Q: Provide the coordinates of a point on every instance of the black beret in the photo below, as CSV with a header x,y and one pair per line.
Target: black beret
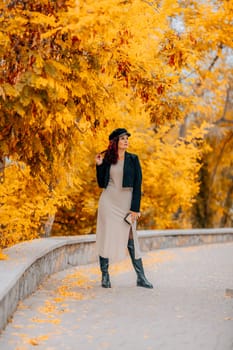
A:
x,y
118,132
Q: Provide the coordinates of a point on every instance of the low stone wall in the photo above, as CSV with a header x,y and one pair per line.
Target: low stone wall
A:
x,y
151,240
30,262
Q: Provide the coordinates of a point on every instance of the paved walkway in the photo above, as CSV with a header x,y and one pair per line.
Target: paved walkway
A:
x,y
187,309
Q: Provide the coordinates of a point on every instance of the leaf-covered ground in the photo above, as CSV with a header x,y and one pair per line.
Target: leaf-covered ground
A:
x,y
187,310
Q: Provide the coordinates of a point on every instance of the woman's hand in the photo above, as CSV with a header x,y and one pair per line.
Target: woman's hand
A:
x,y
135,216
98,159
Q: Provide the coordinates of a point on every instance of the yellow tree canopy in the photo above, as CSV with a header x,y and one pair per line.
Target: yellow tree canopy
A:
x,y
72,70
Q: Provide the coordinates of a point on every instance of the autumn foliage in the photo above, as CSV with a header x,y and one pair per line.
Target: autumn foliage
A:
x,y
73,71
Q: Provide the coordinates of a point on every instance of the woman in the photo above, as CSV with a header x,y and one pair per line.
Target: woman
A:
x,y
119,173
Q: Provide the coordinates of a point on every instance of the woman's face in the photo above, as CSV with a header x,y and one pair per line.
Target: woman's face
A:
x,y
123,142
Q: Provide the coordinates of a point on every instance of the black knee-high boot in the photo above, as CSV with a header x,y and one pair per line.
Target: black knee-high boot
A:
x,y
104,263
137,264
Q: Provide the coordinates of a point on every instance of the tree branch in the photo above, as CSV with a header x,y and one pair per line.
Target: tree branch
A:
x,y
227,100
219,158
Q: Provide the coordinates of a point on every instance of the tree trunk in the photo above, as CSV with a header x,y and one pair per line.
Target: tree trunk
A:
x,y
2,169
226,219
202,216
49,225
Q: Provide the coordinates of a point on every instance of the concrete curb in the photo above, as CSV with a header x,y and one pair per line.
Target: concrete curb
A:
x,y
30,262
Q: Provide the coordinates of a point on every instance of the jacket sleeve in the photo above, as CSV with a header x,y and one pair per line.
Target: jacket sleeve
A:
x,y
101,174
136,196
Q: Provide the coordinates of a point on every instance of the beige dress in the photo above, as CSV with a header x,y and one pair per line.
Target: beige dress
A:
x,y
112,232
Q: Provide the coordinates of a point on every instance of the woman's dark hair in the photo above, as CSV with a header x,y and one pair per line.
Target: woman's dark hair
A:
x,y
111,154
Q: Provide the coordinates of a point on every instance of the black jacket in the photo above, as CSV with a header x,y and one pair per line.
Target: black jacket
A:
x,y
132,177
